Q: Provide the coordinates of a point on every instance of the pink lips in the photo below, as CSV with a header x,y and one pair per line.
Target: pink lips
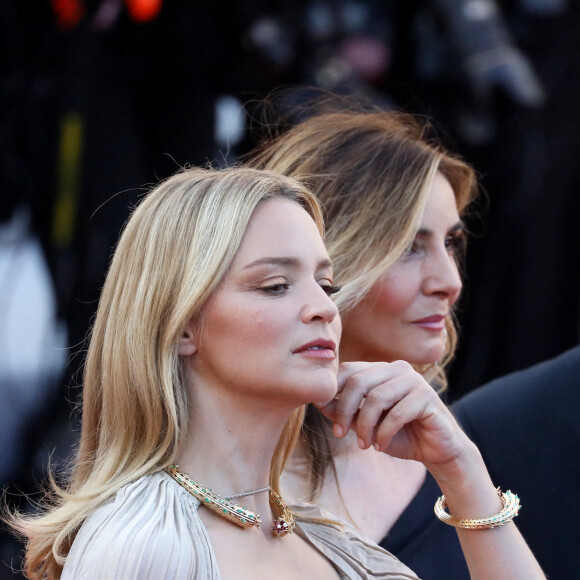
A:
x,y
435,323
319,348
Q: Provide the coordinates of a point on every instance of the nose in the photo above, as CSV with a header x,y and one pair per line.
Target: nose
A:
x,y
442,277
318,306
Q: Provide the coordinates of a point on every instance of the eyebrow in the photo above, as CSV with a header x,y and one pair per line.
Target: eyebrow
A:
x,y
284,261
459,226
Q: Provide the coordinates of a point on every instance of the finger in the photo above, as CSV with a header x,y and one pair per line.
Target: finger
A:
x,y
381,399
369,435
376,372
389,435
378,402
329,411
347,369
361,380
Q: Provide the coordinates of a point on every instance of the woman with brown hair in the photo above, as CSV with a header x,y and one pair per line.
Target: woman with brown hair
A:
x,y
393,202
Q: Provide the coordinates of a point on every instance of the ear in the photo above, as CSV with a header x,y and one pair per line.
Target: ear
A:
x,y
187,342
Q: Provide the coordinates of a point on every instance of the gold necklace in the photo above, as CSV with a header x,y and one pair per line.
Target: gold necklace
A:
x,y
242,516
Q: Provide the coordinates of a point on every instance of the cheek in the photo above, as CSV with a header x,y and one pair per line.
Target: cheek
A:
x,y
337,327
258,326
393,294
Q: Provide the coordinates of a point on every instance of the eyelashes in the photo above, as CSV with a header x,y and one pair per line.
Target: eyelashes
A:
x,y
281,288
277,289
330,290
457,243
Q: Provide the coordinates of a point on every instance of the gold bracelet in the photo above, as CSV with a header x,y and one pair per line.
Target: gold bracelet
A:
x,y
511,508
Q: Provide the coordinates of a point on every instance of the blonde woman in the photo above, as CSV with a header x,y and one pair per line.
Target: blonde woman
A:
x,y
393,203
214,327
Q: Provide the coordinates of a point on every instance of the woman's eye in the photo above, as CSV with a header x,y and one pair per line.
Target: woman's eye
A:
x,y
456,244
330,290
275,289
411,250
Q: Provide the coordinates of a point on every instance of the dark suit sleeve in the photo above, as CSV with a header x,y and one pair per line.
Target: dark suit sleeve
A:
x,y
527,426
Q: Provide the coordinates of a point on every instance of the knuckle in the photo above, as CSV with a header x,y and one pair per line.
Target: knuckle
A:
x,y
341,413
374,398
403,366
364,427
356,382
365,420
376,369
347,365
396,415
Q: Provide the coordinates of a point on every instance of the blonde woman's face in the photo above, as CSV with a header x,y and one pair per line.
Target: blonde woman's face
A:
x,y
271,331
403,316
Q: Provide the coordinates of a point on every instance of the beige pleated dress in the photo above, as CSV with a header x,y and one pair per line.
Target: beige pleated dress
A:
x,y
151,530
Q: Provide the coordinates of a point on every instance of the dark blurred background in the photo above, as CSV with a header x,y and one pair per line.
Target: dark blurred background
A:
x,y
100,99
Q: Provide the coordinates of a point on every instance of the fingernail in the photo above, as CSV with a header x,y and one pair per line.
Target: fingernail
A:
x,y
362,443
337,430
377,447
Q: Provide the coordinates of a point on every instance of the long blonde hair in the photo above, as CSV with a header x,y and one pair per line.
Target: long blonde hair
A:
x,y
372,171
173,254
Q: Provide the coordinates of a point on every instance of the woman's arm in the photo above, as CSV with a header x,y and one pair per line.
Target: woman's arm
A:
x,y
499,552
393,409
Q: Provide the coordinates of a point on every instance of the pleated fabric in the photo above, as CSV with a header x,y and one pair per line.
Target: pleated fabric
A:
x,y
151,530
353,554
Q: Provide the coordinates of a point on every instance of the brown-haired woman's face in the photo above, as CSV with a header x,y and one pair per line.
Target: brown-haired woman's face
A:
x,y
403,316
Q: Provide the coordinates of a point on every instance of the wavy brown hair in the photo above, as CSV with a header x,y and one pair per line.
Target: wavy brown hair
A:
x,y
372,170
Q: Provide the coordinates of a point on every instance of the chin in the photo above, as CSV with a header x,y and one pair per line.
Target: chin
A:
x,y
426,357
422,362
326,398
323,393
305,393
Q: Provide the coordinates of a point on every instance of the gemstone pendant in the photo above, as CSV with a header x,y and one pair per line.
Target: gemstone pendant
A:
x,y
281,527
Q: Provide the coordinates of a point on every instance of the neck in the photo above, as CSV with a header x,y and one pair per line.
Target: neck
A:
x,y
231,450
